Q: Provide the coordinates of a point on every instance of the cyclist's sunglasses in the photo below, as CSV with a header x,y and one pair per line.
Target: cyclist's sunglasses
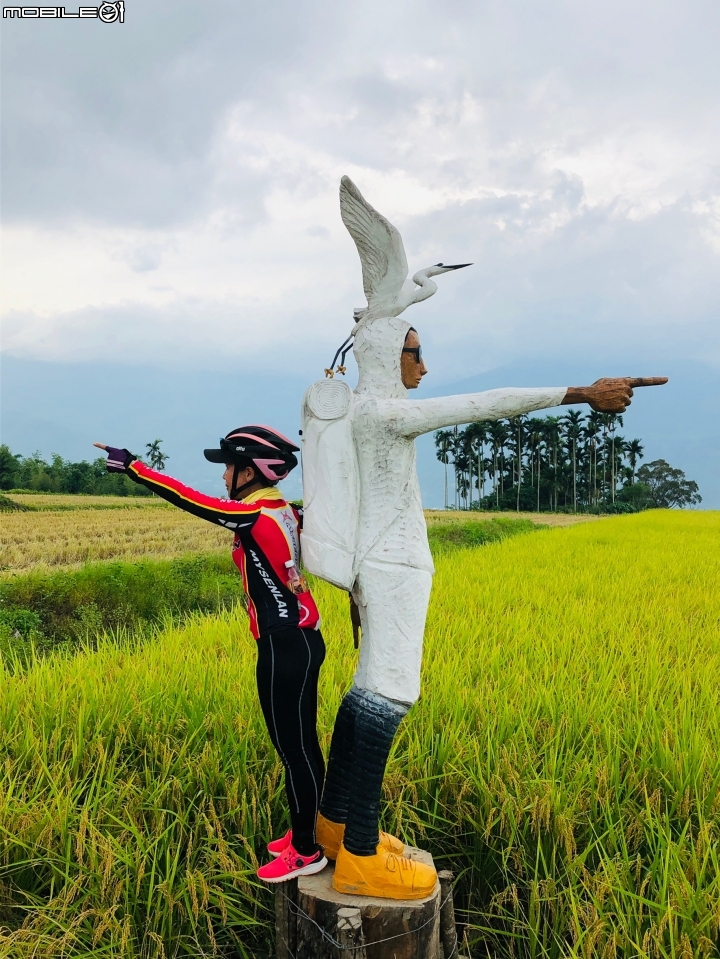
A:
x,y
417,350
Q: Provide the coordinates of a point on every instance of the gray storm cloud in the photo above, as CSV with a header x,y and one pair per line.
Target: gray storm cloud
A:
x,y
179,172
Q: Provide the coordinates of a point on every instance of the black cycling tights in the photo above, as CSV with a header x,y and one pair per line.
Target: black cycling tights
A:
x,y
288,667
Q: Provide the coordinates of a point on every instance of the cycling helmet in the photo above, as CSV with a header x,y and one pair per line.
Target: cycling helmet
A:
x,y
271,454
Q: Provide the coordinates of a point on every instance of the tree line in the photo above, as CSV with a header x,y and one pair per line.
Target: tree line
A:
x,y
575,462
58,475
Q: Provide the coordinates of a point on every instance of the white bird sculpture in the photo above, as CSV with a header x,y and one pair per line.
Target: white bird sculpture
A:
x,y
384,264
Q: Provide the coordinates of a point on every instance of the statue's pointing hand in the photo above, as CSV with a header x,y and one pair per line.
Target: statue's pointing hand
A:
x,y
610,394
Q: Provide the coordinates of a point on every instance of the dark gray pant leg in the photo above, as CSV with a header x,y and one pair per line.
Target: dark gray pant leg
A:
x,y
376,722
336,794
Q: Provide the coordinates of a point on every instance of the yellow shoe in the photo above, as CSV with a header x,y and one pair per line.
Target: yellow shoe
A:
x,y
383,876
330,834
391,844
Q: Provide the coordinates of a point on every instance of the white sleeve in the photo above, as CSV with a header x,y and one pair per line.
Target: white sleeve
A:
x,y
414,417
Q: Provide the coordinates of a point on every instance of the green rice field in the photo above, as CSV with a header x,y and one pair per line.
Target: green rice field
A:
x,y
564,761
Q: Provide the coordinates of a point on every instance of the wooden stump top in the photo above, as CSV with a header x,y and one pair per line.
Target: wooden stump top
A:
x,y
410,926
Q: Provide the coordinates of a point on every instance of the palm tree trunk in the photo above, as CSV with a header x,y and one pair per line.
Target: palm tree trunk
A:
x,y
519,477
495,477
574,479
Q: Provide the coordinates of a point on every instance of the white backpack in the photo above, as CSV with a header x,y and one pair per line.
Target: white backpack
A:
x,y
330,483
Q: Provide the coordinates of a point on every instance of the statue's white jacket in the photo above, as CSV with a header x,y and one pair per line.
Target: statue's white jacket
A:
x,y
385,423
365,527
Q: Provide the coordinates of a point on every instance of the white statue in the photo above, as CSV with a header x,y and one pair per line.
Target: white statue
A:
x,y
364,530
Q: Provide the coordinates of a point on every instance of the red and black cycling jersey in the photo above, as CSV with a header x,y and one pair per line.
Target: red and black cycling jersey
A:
x,y
267,537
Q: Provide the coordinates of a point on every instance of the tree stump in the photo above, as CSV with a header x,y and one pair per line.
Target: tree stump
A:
x,y
448,930
286,894
350,932
411,927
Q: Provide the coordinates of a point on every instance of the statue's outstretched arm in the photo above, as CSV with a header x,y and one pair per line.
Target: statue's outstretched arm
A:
x,y
414,417
610,394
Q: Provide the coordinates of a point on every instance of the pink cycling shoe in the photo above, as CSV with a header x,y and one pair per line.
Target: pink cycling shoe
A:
x,y
278,846
290,864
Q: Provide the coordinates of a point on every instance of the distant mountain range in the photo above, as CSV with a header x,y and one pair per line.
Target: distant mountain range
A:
x,y
59,407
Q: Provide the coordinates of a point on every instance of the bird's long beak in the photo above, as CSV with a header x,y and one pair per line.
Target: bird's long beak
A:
x,y
458,266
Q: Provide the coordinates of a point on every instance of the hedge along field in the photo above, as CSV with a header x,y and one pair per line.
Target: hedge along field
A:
x,y
563,760
40,610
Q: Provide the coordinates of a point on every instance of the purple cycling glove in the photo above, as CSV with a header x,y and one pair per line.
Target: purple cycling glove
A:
x,y
118,460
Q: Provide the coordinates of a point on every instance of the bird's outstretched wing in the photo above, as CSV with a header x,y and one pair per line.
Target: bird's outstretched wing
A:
x,y
384,264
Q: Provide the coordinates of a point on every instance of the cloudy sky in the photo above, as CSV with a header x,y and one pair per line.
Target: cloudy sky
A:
x,y
169,185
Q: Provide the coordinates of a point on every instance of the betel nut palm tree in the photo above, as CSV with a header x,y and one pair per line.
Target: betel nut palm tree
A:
x,y
155,455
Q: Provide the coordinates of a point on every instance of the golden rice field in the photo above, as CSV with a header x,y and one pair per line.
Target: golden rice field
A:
x,y
564,760
50,539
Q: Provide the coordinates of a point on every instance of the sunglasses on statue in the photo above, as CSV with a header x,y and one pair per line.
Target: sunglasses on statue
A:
x,y
417,350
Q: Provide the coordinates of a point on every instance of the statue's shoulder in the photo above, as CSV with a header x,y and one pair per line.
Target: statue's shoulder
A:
x,y
366,408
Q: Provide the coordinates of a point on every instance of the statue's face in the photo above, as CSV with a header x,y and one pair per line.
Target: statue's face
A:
x,y
411,371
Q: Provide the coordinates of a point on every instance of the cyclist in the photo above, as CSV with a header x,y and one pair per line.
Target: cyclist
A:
x,y
283,616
